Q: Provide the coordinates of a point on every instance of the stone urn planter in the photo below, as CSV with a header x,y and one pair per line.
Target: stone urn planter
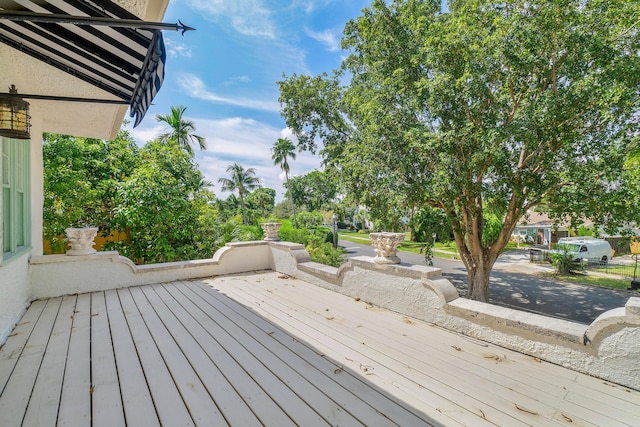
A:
x,y
271,231
81,240
386,246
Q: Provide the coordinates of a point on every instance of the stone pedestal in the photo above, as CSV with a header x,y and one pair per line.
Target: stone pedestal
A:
x,y
81,240
271,231
386,245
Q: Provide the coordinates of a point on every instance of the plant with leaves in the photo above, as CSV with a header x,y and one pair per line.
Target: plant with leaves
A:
x,y
81,177
564,261
182,131
244,181
282,150
157,206
494,104
315,190
262,199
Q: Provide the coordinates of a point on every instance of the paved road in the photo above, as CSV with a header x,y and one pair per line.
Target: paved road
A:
x,y
514,284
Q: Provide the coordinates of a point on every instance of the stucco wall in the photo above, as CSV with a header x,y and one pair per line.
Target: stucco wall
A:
x,y
609,348
14,293
55,275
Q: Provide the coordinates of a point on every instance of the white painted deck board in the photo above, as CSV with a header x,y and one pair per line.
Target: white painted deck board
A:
x,y
138,406
166,397
17,392
75,402
537,401
197,400
12,349
236,379
106,407
297,409
352,394
254,349
339,400
362,357
441,377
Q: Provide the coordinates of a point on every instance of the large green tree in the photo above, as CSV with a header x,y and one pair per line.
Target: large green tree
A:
x,y
487,110
262,199
283,150
181,131
242,180
315,190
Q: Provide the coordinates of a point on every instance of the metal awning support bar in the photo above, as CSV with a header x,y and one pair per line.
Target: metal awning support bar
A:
x,y
63,98
53,18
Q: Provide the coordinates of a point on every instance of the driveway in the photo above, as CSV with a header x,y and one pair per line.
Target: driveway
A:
x,y
514,283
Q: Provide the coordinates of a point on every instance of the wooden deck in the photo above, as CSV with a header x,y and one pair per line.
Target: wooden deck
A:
x,y
259,349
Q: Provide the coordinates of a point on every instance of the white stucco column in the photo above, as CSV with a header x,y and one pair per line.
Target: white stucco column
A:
x,y
81,240
271,231
386,245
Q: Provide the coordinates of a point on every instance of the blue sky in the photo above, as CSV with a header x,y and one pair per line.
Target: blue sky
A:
x,y
225,74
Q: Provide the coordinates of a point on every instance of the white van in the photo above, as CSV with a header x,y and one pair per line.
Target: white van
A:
x,y
589,249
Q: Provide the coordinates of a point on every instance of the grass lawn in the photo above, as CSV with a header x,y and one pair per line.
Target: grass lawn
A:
x,y
447,251
583,279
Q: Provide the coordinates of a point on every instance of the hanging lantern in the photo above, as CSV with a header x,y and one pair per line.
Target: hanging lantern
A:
x,y
14,115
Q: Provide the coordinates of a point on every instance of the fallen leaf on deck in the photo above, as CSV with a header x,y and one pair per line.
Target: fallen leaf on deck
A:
x,y
330,318
284,276
455,347
568,419
492,356
528,411
482,415
408,321
357,299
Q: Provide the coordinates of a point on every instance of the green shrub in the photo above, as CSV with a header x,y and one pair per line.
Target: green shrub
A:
x,y
324,253
564,261
294,235
309,219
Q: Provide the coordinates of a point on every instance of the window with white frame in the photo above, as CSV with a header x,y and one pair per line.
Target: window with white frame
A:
x,y
16,224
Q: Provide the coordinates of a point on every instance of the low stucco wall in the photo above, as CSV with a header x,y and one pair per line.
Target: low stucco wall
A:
x,y
55,275
14,293
609,348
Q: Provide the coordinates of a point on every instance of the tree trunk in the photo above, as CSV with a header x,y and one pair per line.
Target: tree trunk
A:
x,y
244,210
293,205
479,282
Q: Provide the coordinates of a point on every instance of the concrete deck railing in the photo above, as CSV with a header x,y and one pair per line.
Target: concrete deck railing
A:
x,y
609,348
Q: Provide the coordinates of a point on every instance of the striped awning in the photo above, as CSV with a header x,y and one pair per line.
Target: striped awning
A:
x,y
126,62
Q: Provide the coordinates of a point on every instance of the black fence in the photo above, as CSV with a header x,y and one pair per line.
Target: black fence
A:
x,y
622,269
613,267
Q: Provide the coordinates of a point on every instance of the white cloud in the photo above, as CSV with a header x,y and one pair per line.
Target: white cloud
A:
x,y
195,87
247,17
237,139
248,142
237,80
175,49
144,134
329,38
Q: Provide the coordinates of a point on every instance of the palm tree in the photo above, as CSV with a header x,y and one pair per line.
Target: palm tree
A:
x,y
242,180
181,130
283,149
